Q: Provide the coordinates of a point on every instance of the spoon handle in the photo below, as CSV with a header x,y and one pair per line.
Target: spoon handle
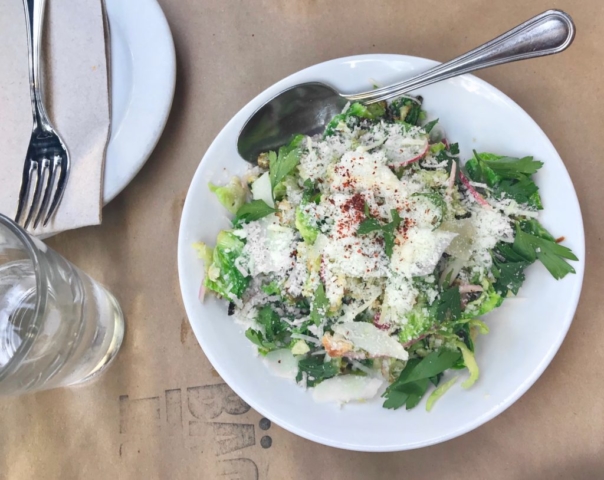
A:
x,y
550,32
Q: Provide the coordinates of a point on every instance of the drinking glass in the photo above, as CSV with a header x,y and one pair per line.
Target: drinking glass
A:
x,y
58,326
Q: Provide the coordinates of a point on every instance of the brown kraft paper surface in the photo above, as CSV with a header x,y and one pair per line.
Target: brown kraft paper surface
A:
x,y
161,411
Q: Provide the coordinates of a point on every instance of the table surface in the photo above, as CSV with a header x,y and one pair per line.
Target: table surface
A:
x,y
161,411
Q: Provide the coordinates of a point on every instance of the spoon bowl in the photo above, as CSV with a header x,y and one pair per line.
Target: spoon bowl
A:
x,y
304,108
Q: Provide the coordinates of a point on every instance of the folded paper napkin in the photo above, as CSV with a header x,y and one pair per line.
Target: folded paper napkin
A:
x,y
77,101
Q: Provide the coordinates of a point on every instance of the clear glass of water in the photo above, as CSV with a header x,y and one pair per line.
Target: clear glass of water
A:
x,y
58,326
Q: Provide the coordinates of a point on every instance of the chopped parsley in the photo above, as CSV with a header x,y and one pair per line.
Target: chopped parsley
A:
x,y
413,382
282,164
252,211
533,242
388,230
448,306
316,370
319,306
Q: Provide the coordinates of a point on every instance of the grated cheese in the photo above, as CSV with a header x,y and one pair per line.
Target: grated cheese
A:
x,y
269,246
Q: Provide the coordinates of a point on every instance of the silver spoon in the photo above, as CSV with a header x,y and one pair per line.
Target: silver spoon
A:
x,y
308,107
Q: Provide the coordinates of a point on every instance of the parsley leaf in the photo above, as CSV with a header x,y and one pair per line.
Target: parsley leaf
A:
x,y
507,253
491,169
430,125
388,231
533,242
274,334
369,225
389,237
533,227
427,367
411,385
522,190
282,164
316,369
254,210
274,328
510,276
320,305
479,172
395,399
448,306
509,177
409,395
435,380
404,375
256,337
510,167
454,149
508,269
417,392
433,364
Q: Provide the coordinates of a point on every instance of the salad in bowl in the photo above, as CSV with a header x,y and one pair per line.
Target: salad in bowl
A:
x,y
360,261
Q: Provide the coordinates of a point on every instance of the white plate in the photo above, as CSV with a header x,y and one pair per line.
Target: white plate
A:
x,y
525,332
143,75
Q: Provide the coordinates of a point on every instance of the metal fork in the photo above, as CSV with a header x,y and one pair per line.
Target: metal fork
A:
x,y
47,157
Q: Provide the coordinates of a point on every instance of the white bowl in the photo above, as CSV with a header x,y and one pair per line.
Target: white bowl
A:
x,y
526,332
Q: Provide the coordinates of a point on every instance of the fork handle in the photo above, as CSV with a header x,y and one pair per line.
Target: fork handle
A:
x,y
550,32
34,19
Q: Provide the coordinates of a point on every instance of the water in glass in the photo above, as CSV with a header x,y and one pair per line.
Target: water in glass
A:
x,y
62,335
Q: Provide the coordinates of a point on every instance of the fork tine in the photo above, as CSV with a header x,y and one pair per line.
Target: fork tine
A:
x,y
50,182
25,188
38,190
63,162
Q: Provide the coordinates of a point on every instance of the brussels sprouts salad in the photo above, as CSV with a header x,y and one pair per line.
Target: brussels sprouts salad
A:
x,y
360,261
